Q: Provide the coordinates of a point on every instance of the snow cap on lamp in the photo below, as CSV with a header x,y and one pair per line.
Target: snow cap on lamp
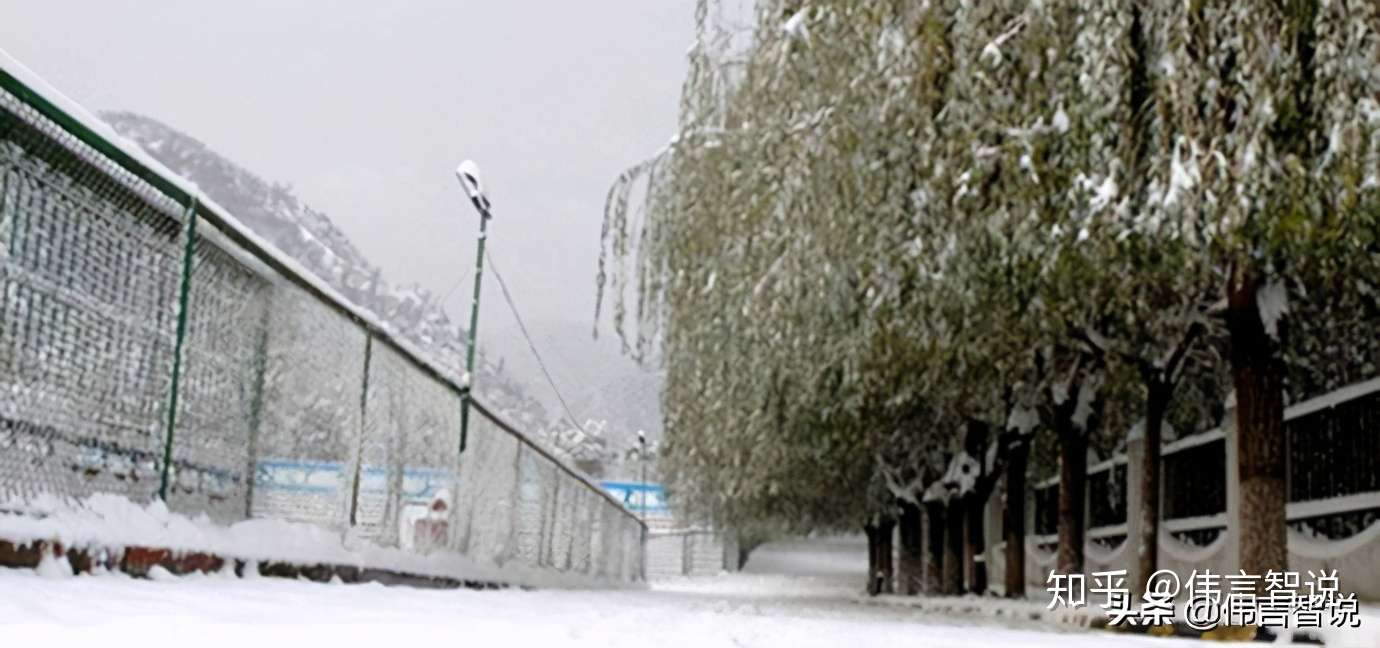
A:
x,y
468,173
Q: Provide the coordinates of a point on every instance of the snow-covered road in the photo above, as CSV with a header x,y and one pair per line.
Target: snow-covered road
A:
x,y
794,596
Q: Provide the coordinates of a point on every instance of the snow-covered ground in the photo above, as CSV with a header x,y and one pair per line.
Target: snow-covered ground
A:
x,y
793,594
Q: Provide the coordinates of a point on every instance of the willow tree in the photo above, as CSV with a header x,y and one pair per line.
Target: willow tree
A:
x,y
1029,118
756,263
1146,265
1273,122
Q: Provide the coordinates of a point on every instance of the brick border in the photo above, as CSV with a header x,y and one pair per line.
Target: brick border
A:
x,y
139,561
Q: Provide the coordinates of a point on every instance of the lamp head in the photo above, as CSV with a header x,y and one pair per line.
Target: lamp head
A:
x,y
468,173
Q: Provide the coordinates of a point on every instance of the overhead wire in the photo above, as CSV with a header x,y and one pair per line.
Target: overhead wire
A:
x,y
522,326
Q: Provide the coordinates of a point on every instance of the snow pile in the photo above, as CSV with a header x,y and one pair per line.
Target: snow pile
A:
x,y
1104,195
795,26
960,478
1183,173
1087,395
1273,302
1060,121
105,521
54,566
1023,420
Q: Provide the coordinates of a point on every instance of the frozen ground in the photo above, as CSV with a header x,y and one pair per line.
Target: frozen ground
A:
x,y
794,594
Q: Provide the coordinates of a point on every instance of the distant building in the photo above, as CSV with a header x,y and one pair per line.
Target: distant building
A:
x,y
645,500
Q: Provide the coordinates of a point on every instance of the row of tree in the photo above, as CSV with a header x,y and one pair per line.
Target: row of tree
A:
x,y
900,251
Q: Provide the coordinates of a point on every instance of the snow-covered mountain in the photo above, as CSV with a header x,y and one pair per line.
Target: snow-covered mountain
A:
x,y
309,236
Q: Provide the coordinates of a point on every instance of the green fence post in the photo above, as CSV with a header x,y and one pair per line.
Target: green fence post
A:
x,y
256,404
184,293
363,430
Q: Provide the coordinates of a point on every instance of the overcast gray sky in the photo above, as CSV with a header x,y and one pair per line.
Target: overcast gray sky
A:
x,y
366,107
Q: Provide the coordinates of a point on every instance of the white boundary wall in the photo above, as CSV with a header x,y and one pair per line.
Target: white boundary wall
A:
x,y
1356,559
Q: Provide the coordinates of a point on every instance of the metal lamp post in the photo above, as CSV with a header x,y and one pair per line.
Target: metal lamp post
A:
x,y
468,174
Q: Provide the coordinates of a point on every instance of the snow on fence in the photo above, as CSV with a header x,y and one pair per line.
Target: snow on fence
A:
x,y
152,346
1333,509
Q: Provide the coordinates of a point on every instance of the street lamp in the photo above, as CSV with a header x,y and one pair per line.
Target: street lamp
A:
x,y
468,174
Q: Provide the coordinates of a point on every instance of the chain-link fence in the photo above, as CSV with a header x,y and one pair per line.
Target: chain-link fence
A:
x,y
150,345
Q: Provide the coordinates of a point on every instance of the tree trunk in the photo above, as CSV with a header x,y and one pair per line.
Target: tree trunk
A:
x,y
953,547
910,574
1073,483
1260,439
934,563
874,567
1014,533
1147,509
972,504
974,541
886,555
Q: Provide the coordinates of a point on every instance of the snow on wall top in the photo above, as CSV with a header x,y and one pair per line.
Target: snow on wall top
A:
x,y
105,520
